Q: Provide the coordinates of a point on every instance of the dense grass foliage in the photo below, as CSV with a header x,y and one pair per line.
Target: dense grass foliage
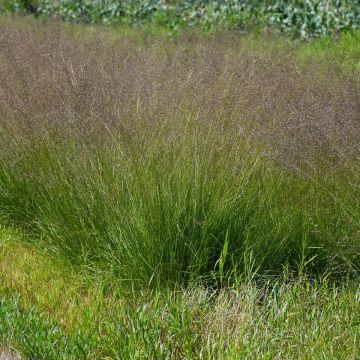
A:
x,y
195,326
302,19
49,312
169,161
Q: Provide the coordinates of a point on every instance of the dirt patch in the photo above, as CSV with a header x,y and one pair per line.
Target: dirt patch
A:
x,y
9,355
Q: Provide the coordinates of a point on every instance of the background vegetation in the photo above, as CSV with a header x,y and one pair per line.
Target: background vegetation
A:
x,y
302,19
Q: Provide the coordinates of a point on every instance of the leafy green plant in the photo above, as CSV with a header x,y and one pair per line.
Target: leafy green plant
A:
x,y
302,19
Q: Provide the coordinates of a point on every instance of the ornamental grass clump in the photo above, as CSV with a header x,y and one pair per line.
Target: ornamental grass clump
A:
x,y
164,160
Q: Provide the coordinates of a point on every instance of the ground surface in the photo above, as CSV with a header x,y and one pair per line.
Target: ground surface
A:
x,y
8,355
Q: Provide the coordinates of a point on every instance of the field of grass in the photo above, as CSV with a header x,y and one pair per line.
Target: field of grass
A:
x,y
188,197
